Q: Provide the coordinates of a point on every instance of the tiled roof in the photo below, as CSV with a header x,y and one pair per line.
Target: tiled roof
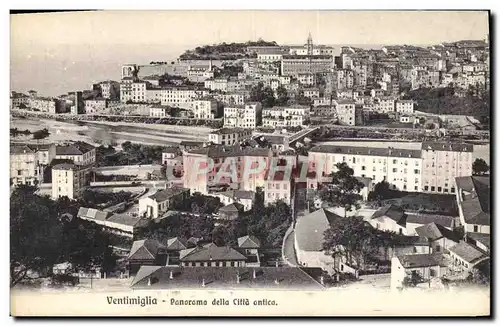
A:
x,y
371,151
468,252
224,131
476,204
92,213
480,237
393,212
168,193
433,231
145,249
279,278
310,229
447,146
239,194
231,208
248,242
217,151
176,244
126,219
64,166
446,221
21,149
213,253
420,260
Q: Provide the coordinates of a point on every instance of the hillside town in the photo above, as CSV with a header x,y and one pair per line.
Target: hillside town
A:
x,y
259,165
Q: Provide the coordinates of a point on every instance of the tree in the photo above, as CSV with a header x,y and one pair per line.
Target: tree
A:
x,y
480,167
41,134
351,238
344,190
282,96
264,95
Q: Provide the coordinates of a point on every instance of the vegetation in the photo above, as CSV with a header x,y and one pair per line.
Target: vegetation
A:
x,y
264,95
423,203
444,100
40,237
344,189
229,70
480,167
99,199
41,134
282,97
130,155
382,191
223,51
14,132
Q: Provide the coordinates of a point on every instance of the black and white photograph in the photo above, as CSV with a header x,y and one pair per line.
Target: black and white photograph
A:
x,y
243,162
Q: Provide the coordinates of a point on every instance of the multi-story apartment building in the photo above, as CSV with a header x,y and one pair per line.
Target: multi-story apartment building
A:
x,y
307,79
181,96
45,104
401,168
235,98
404,106
159,111
202,166
424,78
311,92
80,153
245,116
68,180
360,73
96,106
346,111
297,64
206,108
229,136
384,104
281,117
24,165
110,90
442,162
278,186
345,78
465,80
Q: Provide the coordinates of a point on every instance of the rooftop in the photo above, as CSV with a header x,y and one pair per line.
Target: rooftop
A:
x,y
168,193
310,229
211,253
248,242
446,221
371,151
64,166
447,146
177,244
145,249
393,212
217,151
468,252
433,231
420,260
278,278
224,131
476,193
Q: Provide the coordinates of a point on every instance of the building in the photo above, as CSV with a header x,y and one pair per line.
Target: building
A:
x,y
442,162
436,238
247,116
80,153
163,200
250,278
306,79
78,106
234,98
473,199
229,136
181,97
401,168
147,252
292,65
243,197
390,218
421,267
96,106
309,238
278,187
159,112
121,224
278,143
384,104
110,90
404,106
68,180
25,166
466,256
346,112
205,108
45,104
415,220
211,255
282,117
344,79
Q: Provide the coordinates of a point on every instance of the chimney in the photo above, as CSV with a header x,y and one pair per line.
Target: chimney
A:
x,y
254,273
203,282
171,275
238,279
149,281
322,280
276,281
277,264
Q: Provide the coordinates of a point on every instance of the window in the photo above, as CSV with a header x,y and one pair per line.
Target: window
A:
x,y
394,170
475,228
416,188
394,161
452,190
440,189
432,272
416,171
433,188
353,160
438,248
400,231
363,168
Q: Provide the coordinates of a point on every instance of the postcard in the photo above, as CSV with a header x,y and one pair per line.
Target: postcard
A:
x,y
250,163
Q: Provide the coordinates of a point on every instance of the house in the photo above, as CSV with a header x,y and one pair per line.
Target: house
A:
x,y
278,186
390,218
230,212
79,152
211,255
249,246
416,268
480,240
122,224
473,198
243,197
367,187
147,252
269,278
466,256
309,237
413,221
435,238
163,200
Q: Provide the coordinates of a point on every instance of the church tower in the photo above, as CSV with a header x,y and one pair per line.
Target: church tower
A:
x,y
309,44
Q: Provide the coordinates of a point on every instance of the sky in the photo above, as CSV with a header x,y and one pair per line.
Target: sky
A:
x,y
55,53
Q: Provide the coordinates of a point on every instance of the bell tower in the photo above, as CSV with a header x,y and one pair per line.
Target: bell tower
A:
x,y
309,44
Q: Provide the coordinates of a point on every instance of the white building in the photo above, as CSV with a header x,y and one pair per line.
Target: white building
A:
x,y
67,180
473,199
282,117
161,201
159,112
229,136
204,108
404,106
247,116
422,266
346,111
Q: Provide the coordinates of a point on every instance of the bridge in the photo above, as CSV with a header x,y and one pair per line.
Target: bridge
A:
x,y
299,136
